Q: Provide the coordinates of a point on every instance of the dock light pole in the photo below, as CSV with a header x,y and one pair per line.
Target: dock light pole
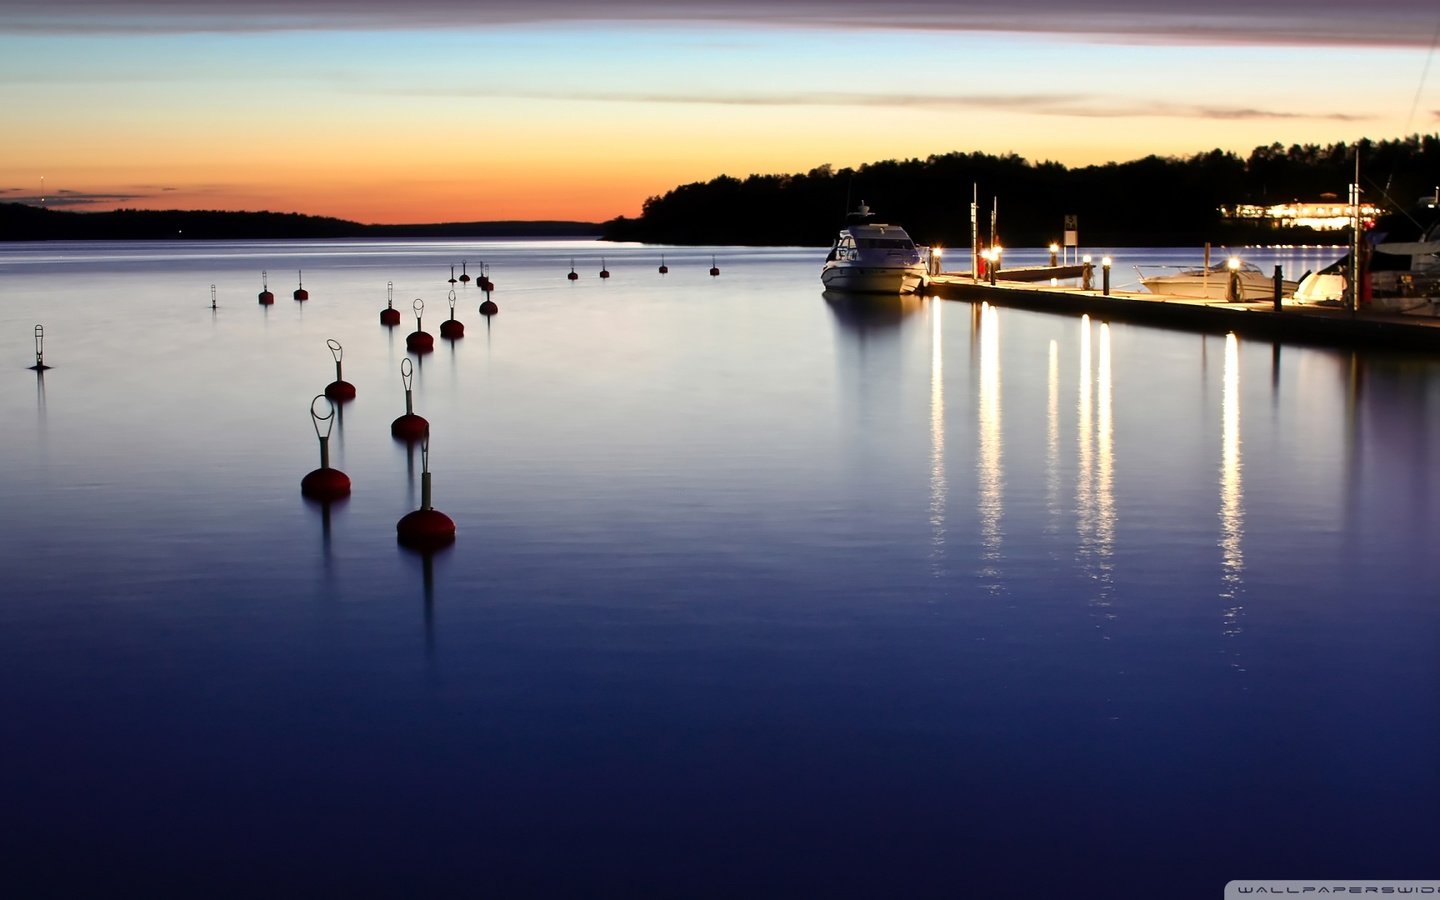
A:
x,y
1232,288
1054,254
1105,275
1087,274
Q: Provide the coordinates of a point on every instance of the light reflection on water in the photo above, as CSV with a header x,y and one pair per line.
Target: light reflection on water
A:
x,y
1232,510
745,577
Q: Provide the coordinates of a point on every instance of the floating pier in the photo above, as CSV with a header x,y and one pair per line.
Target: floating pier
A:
x,y
1305,322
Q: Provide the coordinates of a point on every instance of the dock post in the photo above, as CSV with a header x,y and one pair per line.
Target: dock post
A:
x,y
1087,274
1279,286
1105,275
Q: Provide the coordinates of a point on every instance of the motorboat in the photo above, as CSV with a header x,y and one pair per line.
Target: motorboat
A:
x,y
1213,282
872,257
1402,265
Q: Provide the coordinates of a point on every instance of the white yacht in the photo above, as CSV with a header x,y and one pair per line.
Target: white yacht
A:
x,y
1213,283
872,257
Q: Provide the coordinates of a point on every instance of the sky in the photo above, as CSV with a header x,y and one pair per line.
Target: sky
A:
x,y
468,110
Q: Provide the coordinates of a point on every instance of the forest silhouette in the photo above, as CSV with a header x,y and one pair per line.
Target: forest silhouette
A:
x,y
1154,201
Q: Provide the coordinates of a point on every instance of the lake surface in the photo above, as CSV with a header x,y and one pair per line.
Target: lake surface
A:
x,y
755,592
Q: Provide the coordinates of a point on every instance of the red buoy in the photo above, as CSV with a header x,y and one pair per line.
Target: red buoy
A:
x,y
419,340
266,298
324,483
452,328
426,528
604,272
409,427
663,268
484,281
339,389
300,292
714,269
488,308
465,279
389,315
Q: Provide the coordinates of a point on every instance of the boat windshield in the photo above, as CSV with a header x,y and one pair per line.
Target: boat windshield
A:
x,y
885,244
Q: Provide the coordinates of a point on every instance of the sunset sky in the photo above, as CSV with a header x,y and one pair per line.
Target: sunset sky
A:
x,y
459,110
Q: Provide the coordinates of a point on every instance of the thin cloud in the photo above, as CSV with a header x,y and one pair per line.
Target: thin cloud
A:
x,y
74,198
1064,105
1394,23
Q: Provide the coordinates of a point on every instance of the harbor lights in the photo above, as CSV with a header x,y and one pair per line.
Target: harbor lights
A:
x,y
992,262
1087,274
1232,287
1054,254
936,256
1105,275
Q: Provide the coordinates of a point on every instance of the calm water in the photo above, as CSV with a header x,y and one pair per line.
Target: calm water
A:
x,y
755,592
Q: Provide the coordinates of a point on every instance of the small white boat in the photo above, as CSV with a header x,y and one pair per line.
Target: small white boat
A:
x,y
872,257
1213,283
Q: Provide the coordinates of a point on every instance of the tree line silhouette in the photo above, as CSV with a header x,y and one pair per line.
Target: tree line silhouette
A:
x,y
1154,201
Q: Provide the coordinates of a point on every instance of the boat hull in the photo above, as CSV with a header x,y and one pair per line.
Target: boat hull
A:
x,y
863,279
1215,287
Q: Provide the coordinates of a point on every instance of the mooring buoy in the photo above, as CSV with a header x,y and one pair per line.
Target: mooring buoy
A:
x,y
324,483
39,350
408,427
339,389
452,328
389,316
419,340
426,528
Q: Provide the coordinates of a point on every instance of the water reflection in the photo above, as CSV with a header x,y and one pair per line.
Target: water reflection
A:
x,y
938,487
1232,513
862,313
1052,441
1094,489
991,501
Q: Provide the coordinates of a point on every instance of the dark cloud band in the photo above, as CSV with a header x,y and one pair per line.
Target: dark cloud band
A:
x,y
1261,22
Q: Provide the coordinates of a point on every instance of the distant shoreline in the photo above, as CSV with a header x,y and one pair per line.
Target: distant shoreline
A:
x,y
22,223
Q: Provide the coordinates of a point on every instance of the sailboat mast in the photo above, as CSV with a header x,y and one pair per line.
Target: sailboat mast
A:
x,y
1353,288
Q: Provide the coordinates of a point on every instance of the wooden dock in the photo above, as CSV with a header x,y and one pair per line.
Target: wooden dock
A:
x,y
1309,323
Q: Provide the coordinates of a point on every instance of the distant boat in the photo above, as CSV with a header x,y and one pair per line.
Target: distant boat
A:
x,y
1213,283
872,257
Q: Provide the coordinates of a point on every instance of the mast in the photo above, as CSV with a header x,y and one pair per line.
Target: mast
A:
x,y
975,232
1352,291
